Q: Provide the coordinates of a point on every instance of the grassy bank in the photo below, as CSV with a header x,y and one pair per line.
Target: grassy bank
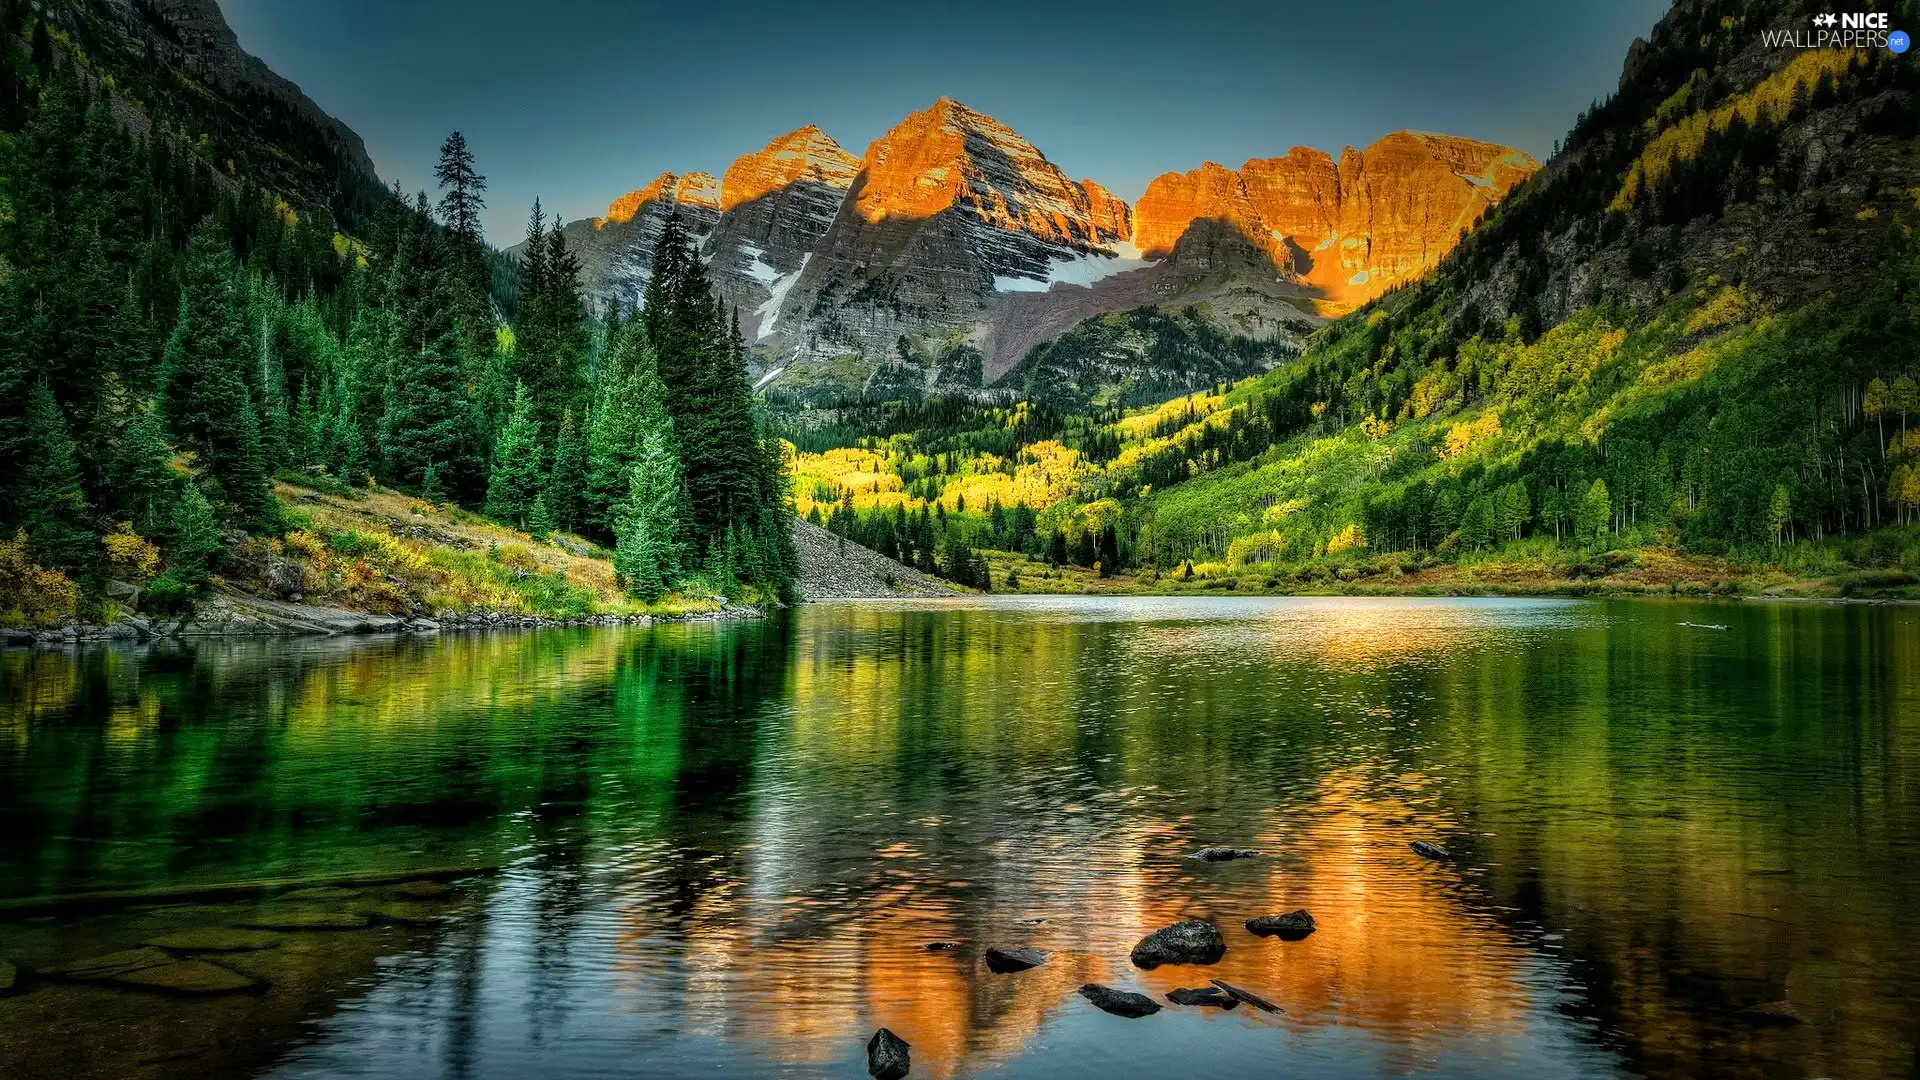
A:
x,y
1827,571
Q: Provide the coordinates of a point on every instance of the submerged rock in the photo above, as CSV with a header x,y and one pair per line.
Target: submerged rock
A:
x,y
409,913
96,968
1203,995
188,977
423,890
888,1056
322,892
1430,851
941,946
1223,854
306,920
1292,926
1774,1013
1247,996
216,940
9,975
1189,942
1008,959
1119,1002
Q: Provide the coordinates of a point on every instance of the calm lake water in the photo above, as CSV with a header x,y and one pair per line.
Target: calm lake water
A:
x,y
724,847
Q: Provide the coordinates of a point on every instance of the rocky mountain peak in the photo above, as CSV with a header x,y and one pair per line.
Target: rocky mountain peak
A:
x,y
696,189
807,154
1351,230
951,156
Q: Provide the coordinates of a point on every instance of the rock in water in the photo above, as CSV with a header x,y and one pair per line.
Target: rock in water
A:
x,y
306,920
1204,995
188,977
322,892
216,940
1189,942
409,913
1430,851
423,890
96,968
1223,854
1119,1002
1292,926
1774,1013
1248,996
1012,958
941,946
888,1056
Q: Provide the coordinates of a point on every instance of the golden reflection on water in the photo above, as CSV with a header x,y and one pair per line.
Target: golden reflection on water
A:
x,y
775,829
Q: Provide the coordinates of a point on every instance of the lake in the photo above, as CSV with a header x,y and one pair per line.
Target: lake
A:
x,y
722,849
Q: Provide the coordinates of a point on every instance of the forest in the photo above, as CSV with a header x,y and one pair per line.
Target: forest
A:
x,y
176,339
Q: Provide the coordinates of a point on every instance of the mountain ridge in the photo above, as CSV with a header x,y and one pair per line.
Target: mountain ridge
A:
x,y
952,231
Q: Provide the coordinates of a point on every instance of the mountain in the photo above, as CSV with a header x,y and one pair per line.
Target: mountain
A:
x,y
1351,230
179,60
1690,337
953,248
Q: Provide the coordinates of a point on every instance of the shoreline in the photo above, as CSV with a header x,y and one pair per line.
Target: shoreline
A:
x,y
335,623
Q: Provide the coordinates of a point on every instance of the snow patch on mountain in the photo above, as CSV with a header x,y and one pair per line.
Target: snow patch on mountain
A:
x,y
1082,269
781,284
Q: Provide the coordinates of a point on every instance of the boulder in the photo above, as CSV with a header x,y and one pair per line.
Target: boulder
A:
x,y
1004,960
216,940
1292,926
1203,995
1430,851
1189,942
1247,996
1119,1002
888,1056
96,968
1774,1014
322,892
194,977
305,920
285,579
1223,854
409,913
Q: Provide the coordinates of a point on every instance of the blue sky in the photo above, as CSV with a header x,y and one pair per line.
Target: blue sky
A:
x,y
579,101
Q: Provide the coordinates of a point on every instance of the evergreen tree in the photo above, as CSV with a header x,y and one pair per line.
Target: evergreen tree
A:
x,y
515,481
53,507
208,405
428,419
649,553
566,481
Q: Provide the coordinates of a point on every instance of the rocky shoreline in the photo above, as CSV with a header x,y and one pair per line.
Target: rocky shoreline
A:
x,y
234,614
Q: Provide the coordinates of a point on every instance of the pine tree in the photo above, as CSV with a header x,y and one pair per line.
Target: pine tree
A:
x,y
428,419
194,539
144,484
539,518
515,481
208,406
53,507
649,553
567,479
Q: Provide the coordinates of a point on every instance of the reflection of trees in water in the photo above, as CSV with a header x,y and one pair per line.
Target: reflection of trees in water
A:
x,y
255,758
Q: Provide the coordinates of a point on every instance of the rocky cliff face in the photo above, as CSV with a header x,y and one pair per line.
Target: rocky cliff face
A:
x,y
616,250
1352,230
860,274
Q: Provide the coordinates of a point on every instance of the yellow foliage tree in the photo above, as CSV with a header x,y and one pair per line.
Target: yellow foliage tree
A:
x,y
31,595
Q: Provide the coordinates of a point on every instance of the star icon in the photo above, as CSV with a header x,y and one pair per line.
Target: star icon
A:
x,y
1825,19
